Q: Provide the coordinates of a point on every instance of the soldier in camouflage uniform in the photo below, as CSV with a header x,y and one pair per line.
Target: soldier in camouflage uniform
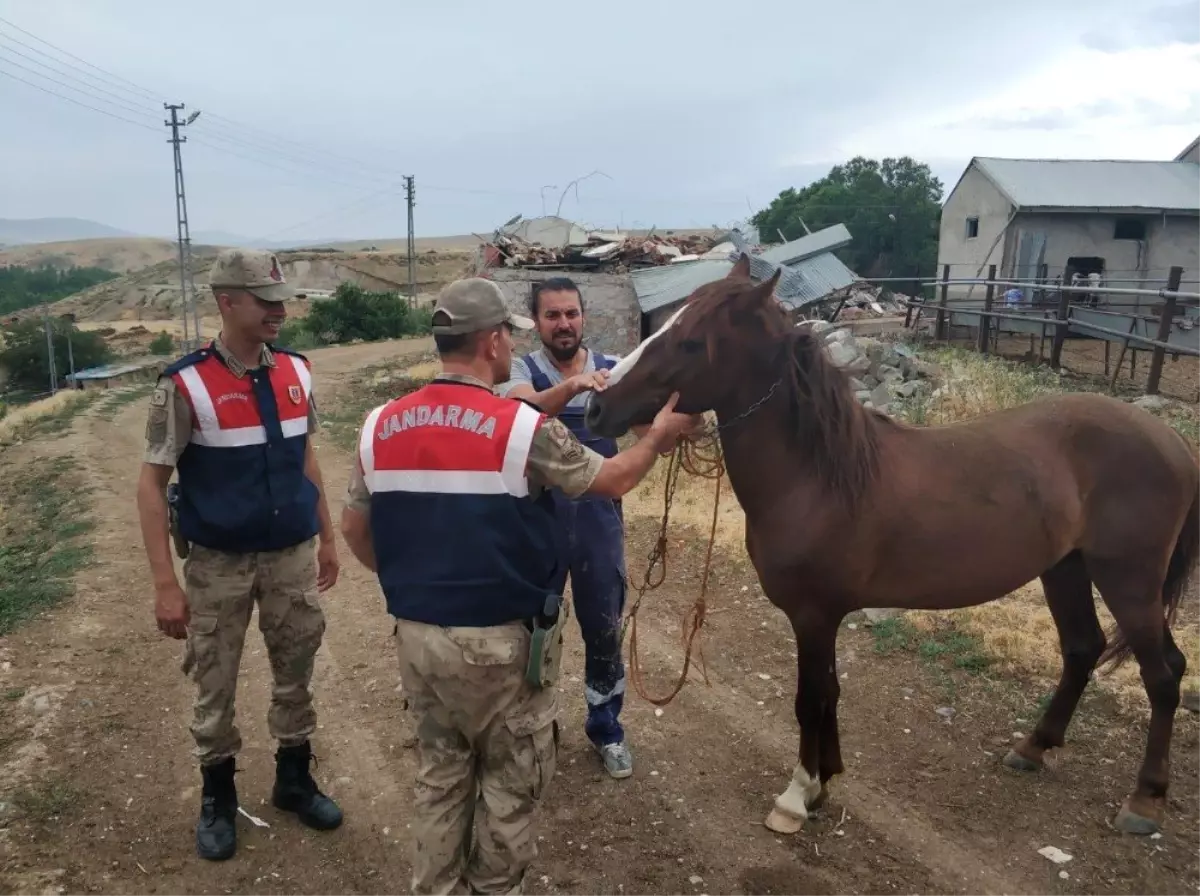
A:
x,y
234,419
450,505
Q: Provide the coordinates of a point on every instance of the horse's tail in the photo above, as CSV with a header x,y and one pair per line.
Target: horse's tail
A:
x,y
1179,573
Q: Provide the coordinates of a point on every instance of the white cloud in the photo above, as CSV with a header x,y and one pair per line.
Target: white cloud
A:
x,y
1131,104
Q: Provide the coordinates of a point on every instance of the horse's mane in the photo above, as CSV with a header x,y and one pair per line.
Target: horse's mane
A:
x,y
838,434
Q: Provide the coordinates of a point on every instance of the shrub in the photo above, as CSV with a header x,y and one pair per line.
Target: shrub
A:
x,y
162,344
355,313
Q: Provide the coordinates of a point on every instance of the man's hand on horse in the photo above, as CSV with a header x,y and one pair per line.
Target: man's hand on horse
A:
x,y
592,381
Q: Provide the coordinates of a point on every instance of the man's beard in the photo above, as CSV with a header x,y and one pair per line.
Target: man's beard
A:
x,y
563,352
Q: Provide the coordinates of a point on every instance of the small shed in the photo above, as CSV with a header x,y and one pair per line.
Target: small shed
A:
x,y
109,376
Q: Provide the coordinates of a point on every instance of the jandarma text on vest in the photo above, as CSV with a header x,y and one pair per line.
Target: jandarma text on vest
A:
x,y
438,415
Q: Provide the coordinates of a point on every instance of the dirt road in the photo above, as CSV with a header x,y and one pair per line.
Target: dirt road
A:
x,y
100,749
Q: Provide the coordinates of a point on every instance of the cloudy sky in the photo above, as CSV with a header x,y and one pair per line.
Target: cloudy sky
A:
x,y
695,114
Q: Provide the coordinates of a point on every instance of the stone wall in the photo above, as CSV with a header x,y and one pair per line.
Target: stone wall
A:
x,y
613,320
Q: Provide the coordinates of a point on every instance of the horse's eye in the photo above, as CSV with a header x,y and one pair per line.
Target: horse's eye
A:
x,y
692,346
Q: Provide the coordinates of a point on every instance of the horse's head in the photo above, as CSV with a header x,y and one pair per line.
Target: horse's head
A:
x,y
704,351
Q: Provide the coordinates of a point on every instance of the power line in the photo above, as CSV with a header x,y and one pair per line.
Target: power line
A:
x,y
57,71
76,102
141,89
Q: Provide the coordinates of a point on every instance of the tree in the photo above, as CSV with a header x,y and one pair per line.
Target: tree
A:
x,y
892,209
24,351
355,313
22,287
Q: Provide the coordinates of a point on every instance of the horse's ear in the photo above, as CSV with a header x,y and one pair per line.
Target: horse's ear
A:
x,y
766,290
740,269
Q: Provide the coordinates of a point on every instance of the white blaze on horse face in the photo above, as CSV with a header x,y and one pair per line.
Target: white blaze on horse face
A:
x,y
626,364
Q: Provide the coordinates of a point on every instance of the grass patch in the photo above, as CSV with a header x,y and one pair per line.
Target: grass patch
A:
x,y
48,417
945,645
40,546
12,695
372,387
46,800
114,401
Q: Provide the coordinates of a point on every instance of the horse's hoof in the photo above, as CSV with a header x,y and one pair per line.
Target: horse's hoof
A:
x,y
819,800
1129,822
1021,763
783,822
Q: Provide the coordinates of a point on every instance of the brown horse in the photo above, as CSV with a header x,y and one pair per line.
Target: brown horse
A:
x,y
847,508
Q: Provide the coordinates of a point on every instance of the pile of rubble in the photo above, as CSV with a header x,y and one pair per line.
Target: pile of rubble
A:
x,y
603,252
881,371
863,300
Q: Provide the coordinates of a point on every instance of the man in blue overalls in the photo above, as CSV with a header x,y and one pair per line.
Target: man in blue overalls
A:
x,y
558,377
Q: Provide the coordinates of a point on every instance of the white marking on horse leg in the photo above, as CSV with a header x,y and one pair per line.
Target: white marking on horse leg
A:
x,y
626,364
791,806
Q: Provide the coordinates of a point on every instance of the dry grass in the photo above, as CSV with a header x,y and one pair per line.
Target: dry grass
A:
x,y
43,415
1018,629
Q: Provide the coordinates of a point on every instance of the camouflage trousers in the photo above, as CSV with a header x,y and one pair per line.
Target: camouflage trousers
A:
x,y
486,751
222,589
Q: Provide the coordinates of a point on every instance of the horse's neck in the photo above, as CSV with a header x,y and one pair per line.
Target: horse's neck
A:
x,y
767,458
763,457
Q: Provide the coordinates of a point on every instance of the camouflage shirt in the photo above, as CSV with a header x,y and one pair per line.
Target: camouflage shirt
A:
x,y
556,460
169,423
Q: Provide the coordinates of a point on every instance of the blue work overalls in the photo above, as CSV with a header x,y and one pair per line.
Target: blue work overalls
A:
x,y
595,545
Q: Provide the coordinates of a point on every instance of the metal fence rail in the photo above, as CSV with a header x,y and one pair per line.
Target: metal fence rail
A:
x,y
1174,330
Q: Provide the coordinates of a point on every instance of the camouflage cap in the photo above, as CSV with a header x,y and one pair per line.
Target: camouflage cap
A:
x,y
471,305
253,270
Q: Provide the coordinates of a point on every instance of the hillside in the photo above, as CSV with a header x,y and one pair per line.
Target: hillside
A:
x,y
118,254
19,231
152,293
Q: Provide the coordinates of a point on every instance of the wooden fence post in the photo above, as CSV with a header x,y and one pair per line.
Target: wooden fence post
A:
x,y
1043,276
1164,331
939,329
1060,331
985,322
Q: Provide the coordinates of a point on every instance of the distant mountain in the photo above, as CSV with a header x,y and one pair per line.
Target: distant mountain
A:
x,y
19,232
218,238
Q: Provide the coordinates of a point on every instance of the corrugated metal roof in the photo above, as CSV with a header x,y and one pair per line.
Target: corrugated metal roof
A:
x,y
825,240
105,371
801,283
1071,183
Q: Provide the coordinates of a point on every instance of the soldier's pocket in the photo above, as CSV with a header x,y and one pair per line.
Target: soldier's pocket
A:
x,y
536,740
200,633
496,648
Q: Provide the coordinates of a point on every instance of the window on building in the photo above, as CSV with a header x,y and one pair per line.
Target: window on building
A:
x,y
1129,229
972,228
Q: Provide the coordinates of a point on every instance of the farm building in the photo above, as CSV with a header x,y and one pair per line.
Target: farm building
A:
x,y
811,272
110,376
1128,221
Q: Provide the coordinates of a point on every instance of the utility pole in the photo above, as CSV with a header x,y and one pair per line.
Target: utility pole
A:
x,y
411,195
50,348
181,225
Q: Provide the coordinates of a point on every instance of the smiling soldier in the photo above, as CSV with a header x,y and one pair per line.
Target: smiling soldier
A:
x,y
235,419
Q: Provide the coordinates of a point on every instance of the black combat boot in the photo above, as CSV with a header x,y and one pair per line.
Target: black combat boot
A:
x,y
296,791
216,832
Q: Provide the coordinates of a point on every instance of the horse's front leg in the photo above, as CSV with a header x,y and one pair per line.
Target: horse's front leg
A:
x,y
815,639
